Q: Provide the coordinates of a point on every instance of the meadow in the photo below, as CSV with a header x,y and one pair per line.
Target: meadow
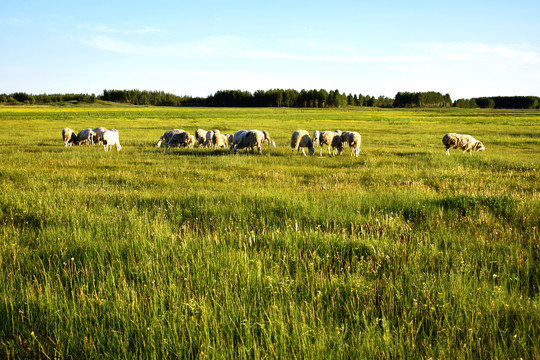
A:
x,y
402,252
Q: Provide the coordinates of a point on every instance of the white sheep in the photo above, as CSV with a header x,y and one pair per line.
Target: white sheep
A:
x,y
299,140
463,142
226,138
209,135
69,136
167,136
86,136
332,140
200,133
111,138
353,139
218,140
235,138
190,141
181,139
249,139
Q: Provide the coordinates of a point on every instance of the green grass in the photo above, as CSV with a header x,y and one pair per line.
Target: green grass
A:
x,y
402,252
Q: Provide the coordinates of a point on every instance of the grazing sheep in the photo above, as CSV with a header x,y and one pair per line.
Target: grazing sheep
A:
x,y
332,140
209,135
167,136
69,137
463,142
181,139
301,139
226,138
251,139
353,139
235,138
97,134
200,133
315,138
111,138
86,136
190,141
218,140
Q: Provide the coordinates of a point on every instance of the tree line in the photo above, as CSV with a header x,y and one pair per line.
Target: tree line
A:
x,y
279,98
500,102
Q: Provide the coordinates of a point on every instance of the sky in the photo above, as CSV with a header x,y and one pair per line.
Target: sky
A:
x,y
463,48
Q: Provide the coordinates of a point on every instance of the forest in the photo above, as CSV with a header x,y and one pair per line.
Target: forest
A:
x,y
278,98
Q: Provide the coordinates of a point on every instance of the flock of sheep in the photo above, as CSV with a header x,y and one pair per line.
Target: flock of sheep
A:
x,y
214,138
244,139
108,137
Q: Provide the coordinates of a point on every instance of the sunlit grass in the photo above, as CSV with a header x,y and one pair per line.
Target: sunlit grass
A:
x,y
402,252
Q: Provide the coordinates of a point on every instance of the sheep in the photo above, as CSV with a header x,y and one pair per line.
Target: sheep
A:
x,y
332,140
86,136
167,136
218,140
235,138
251,139
268,140
111,138
301,139
97,134
190,141
353,139
182,139
200,133
315,138
209,135
226,138
463,142
69,136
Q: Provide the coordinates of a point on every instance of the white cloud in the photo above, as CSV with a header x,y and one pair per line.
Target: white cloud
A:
x,y
100,29
461,69
149,30
407,57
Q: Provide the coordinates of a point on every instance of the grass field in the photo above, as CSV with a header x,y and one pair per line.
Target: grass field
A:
x,y
402,252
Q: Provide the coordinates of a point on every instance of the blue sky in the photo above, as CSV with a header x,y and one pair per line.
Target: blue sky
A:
x,y
464,48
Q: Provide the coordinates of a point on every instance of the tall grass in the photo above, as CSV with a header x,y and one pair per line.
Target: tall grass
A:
x,y
402,252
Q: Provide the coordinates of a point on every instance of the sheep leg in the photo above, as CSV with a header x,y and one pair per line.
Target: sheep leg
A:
x,y
303,152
